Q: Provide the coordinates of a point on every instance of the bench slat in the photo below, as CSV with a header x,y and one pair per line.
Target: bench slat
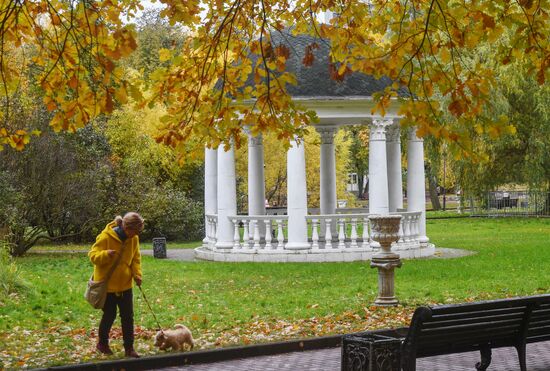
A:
x,y
541,313
441,349
518,316
538,330
539,322
540,337
436,313
471,335
488,305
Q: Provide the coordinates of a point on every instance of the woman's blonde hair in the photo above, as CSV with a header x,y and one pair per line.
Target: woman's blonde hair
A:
x,y
131,220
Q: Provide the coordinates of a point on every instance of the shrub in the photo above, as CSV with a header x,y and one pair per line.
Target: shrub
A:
x,y
171,214
10,280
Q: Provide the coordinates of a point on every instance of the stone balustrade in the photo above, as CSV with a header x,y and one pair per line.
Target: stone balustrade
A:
x,y
210,230
252,239
331,237
352,232
358,235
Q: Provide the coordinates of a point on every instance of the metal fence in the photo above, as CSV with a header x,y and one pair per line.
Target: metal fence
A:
x,y
514,203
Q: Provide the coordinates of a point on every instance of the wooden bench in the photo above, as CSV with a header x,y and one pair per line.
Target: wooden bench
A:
x,y
478,326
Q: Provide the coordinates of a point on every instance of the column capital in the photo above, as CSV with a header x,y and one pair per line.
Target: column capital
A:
x,y
255,141
378,128
327,134
412,135
393,133
382,121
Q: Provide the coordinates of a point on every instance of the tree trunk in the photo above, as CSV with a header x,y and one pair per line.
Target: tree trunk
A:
x,y
360,185
432,186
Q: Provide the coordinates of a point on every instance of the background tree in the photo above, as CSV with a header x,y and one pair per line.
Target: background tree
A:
x,y
434,149
359,155
57,188
71,47
515,154
106,168
155,37
149,179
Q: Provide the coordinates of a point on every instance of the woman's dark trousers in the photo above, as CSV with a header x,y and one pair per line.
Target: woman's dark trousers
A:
x,y
124,302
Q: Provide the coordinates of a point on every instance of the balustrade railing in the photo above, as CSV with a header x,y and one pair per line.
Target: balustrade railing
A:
x,y
259,232
409,229
331,232
358,234
355,229
211,227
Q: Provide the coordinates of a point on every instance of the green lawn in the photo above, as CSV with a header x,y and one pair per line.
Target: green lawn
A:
x,y
230,303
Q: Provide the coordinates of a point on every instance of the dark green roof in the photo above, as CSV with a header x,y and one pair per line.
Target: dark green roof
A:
x,y
315,80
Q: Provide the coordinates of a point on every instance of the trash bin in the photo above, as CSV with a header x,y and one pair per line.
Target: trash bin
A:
x,y
159,247
370,352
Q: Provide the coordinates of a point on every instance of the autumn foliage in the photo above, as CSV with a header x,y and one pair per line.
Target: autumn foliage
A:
x,y
69,50
228,74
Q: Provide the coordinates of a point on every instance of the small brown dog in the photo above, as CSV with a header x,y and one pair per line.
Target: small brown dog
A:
x,y
174,339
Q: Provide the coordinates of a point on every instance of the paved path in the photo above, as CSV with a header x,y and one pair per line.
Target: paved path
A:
x,y
504,359
188,254
175,254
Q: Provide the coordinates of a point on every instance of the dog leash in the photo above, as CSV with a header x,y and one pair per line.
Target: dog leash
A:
x,y
151,309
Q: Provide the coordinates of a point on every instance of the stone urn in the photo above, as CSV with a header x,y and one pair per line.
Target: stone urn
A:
x,y
385,230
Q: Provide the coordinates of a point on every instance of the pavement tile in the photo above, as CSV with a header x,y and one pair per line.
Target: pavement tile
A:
x,y
504,359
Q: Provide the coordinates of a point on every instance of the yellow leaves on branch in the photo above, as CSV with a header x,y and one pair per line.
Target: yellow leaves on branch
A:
x,y
429,48
425,47
17,140
73,48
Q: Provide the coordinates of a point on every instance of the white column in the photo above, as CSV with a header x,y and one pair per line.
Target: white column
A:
x,y
378,172
416,184
395,178
256,179
296,197
328,175
210,186
227,197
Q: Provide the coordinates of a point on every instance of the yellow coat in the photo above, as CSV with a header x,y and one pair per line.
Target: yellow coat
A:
x,y
129,265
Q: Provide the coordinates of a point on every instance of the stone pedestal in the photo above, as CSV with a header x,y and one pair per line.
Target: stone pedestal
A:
x,y
385,230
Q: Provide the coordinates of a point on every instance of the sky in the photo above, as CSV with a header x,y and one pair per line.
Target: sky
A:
x,y
148,4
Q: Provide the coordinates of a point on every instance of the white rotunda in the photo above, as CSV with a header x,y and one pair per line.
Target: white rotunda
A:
x,y
330,234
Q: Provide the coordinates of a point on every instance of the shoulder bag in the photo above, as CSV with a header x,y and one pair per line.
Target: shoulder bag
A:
x,y
96,291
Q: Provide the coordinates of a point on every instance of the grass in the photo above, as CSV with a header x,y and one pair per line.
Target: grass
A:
x,y
449,213
230,303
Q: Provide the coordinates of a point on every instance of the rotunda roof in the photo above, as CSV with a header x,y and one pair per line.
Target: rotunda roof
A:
x,y
315,80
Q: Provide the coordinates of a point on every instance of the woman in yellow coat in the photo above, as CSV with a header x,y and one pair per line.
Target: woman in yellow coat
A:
x,y
109,243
